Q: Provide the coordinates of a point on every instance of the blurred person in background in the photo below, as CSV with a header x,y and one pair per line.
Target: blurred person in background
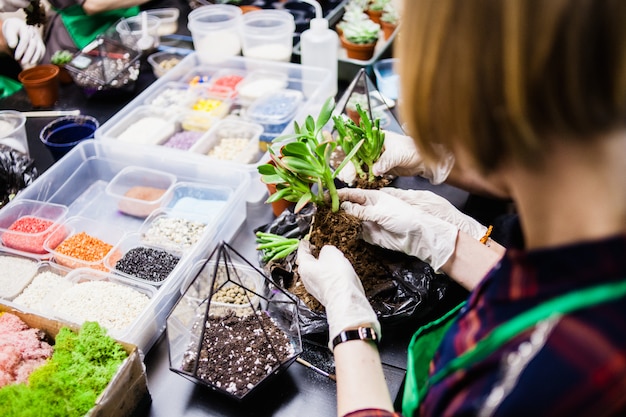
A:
x,y
21,44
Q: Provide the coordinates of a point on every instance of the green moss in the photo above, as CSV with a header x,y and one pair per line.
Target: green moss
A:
x,y
69,383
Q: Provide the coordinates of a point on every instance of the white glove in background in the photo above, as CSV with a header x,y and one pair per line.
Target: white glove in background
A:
x,y
394,224
13,5
24,39
401,157
332,280
440,207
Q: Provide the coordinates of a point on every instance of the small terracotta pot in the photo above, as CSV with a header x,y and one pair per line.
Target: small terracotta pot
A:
x,y
359,51
41,84
245,9
281,205
387,28
374,15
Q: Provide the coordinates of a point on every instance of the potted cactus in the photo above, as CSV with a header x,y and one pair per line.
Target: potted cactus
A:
x,y
359,39
389,20
375,9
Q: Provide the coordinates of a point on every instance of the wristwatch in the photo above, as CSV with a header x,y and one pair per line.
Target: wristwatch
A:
x,y
360,333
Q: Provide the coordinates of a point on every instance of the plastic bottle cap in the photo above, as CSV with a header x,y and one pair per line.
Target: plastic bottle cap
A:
x,y
318,24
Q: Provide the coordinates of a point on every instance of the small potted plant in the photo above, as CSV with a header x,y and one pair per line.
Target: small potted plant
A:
x,y
375,9
359,39
389,20
353,12
60,58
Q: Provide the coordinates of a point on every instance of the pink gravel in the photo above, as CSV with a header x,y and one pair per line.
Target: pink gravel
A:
x,y
22,349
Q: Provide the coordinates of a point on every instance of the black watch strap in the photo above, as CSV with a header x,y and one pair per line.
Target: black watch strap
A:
x,y
361,333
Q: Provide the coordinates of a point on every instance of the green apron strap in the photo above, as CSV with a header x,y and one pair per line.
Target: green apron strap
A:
x,y
84,28
421,351
500,335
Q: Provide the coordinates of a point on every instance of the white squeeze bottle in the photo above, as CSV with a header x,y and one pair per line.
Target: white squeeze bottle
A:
x,y
319,45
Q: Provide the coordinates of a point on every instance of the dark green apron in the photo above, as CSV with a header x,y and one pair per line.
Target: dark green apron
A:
x,y
426,340
84,28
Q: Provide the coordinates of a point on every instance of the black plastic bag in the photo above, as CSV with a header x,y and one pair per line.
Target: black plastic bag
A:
x,y
17,171
412,290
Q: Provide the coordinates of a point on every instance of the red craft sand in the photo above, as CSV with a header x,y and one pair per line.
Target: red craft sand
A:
x,y
30,232
22,349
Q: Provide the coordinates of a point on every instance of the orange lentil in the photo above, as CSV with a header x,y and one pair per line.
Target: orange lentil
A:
x,y
82,247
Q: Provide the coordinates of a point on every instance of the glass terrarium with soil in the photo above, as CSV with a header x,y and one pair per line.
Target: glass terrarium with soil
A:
x,y
229,331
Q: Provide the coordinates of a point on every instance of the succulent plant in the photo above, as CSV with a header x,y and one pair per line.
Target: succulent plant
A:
x,y
390,15
61,57
378,4
301,169
362,32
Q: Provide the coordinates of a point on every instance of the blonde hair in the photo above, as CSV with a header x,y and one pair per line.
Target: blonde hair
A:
x,y
502,78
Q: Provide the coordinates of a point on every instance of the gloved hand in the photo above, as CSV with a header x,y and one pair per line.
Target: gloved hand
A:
x,y
401,157
24,39
438,206
332,280
394,224
13,5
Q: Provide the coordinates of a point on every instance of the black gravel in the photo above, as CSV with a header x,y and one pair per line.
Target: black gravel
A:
x,y
147,263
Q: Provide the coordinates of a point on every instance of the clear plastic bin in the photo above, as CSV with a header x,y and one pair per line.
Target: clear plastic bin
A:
x,y
174,95
114,303
85,243
16,272
140,191
260,82
176,230
26,224
232,140
275,111
79,180
46,285
158,260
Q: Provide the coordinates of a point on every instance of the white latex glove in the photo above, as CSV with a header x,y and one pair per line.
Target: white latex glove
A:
x,y
394,224
331,279
401,157
13,5
24,39
440,207
347,173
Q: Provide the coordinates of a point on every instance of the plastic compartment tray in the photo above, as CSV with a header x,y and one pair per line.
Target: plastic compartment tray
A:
x,y
79,180
311,82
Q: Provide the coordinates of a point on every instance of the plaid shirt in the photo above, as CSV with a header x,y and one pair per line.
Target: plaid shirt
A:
x,y
572,366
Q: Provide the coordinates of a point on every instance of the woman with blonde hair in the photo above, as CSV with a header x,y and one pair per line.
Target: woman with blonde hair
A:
x,y
529,95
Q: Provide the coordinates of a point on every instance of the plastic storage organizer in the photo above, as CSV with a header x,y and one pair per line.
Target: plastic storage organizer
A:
x,y
190,101
87,191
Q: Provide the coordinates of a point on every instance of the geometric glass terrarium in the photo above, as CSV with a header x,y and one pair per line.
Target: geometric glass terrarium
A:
x,y
228,331
363,92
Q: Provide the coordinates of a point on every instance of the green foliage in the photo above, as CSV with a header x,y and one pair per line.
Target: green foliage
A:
x,y
61,57
366,137
361,32
378,4
68,384
274,246
301,169
390,15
